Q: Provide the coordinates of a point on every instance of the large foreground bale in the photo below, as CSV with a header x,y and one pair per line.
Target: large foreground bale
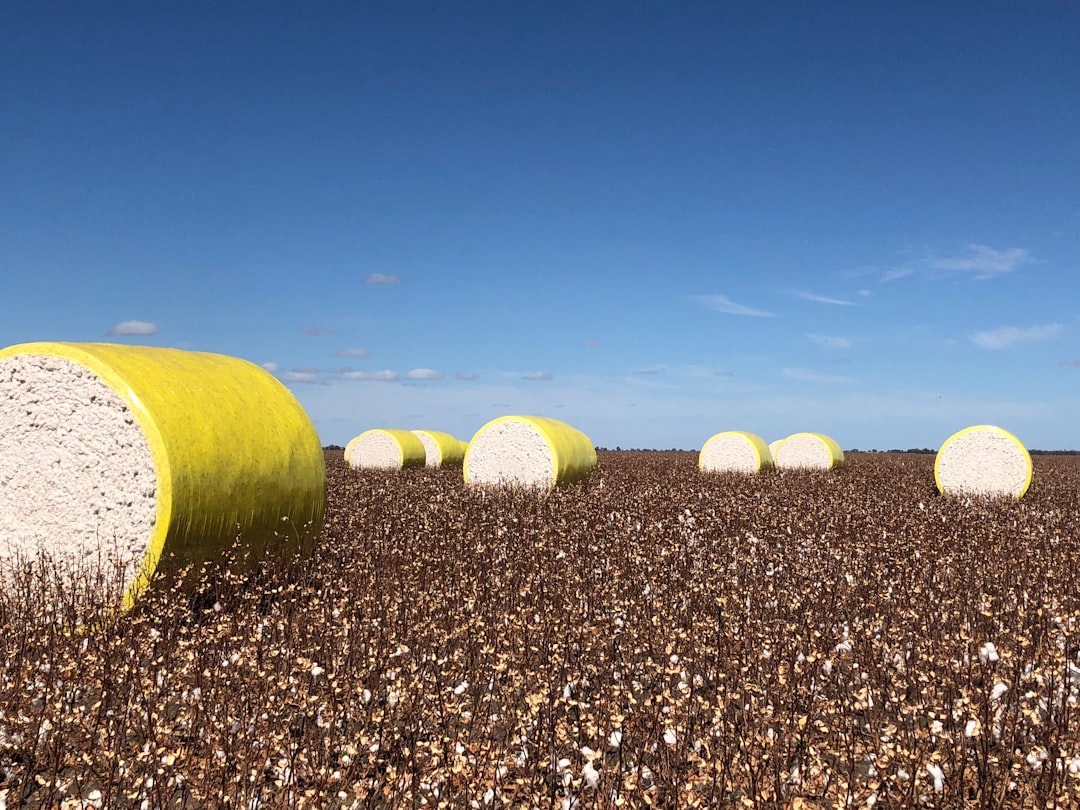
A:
x,y
441,448
141,459
983,460
532,452
809,451
381,449
735,451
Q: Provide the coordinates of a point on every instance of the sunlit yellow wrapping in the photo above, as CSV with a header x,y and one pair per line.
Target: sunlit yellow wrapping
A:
x,y
233,450
409,445
835,451
573,453
451,450
757,444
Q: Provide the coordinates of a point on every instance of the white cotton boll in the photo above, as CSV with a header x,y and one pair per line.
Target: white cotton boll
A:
x,y
590,775
934,771
971,728
902,774
1074,765
826,667
998,690
562,765
988,653
461,687
670,737
615,739
316,670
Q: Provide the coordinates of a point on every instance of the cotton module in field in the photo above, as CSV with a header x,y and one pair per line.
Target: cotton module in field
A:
x,y
983,460
441,449
809,451
385,449
735,451
533,452
134,460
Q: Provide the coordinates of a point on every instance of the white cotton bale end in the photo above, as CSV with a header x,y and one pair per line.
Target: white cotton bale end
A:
x,y
983,460
441,448
735,451
809,451
137,460
381,449
530,452
774,446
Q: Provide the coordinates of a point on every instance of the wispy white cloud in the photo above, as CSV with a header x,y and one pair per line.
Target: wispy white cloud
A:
x,y
823,299
317,331
382,278
371,376
539,376
356,353
134,328
273,368
424,374
806,375
830,341
982,261
466,375
979,262
721,303
1008,336
652,371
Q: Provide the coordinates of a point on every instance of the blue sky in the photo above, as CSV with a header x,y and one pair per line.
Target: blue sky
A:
x,y
654,221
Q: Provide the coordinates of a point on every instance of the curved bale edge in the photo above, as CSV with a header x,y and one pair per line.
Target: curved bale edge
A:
x,y
985,461
386,449
534,452
809,451
735,451
171,454
441,448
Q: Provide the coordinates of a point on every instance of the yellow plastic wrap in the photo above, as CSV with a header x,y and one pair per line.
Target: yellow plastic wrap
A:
x,y
986,465
572,452
410,450
762,454
233,451
450,450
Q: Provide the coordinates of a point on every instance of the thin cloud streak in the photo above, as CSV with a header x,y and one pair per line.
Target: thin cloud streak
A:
x,y
382,278
721,303
361,354
824,299
539,376
317,331
983,261
1008,336
371,376
424,374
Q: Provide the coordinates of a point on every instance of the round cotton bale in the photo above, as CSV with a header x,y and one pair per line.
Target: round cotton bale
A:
x,y
774,446
983,460
735,451
140,460
530,452
381,449
441,448
809,451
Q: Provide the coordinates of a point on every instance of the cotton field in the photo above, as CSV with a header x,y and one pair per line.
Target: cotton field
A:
x,y
650,636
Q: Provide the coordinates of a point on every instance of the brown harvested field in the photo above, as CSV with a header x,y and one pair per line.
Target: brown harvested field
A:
x,y
651,637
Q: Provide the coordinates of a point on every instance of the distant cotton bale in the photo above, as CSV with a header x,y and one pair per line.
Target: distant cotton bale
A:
x,y
381,449
735,451
809,451
774,446
532,452
142,460
441,448
983,460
